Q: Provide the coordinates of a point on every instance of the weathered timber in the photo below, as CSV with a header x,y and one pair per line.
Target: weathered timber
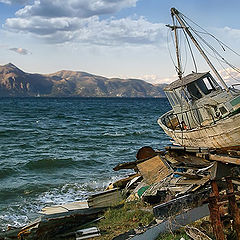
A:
x,y
64,207
201,181
134,194
187,159
154,170
224,159
105,199
48,226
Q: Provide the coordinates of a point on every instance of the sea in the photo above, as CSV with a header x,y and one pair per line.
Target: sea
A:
x,y
59,150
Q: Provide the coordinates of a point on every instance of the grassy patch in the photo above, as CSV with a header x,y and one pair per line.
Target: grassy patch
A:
x,y
174,236
118,221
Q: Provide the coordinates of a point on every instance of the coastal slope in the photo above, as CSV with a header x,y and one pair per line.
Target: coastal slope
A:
x,y
16,83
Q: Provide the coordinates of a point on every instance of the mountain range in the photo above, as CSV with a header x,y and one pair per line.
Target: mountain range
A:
x,y
16,83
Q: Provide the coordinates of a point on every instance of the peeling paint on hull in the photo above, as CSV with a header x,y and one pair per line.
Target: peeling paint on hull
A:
x,y
223,134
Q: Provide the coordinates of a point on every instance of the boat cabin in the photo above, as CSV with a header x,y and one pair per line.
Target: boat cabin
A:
x,y
189,97
190,89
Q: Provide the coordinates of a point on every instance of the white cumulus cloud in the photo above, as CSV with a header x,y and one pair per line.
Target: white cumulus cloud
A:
x,y
57,21
90,30
73,8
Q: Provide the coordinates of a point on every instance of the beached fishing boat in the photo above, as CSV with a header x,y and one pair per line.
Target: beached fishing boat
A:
x,y
204,113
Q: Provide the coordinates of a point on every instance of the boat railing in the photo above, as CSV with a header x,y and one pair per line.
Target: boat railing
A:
x,y
188,119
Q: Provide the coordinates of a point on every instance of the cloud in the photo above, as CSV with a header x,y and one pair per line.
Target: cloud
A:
x,y
233,33
11,2
73,8
55,21
157,79
109,32
21,51
230,76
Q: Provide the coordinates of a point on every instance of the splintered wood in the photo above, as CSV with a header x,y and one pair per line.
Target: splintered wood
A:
x,y
153,170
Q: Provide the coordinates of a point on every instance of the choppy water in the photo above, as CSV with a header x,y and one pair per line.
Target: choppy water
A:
x,y
54,151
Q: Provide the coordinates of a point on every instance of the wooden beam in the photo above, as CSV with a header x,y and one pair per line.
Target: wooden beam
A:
x,y
225,159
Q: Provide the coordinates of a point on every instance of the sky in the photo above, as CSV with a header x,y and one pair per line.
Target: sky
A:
x,y
111,38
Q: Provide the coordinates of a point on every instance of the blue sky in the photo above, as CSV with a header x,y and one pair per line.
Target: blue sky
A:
x,y
112,38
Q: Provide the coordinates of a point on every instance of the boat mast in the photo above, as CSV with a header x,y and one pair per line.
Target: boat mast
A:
x,y
175,13
179,67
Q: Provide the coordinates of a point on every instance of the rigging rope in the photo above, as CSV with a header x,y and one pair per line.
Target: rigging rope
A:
x,y
170,54
190,49
211,47
206,32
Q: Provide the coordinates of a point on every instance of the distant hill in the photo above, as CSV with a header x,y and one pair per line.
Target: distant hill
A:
x,y
16,83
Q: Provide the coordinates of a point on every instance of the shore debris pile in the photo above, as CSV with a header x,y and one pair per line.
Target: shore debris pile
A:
x,y
180,184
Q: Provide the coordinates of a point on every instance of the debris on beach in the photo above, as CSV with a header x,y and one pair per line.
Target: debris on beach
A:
x,y
180,184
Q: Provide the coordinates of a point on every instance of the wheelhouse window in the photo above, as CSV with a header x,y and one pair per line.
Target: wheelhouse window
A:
x,y
202,86
193,91
205,85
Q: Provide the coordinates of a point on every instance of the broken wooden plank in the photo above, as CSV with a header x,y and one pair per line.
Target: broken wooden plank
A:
x,y
224,159
201,181
187,159
58,223
154,170
105,199
121,183
64,207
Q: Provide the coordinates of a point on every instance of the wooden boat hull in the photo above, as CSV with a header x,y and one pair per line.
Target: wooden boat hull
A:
x,y
225,133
